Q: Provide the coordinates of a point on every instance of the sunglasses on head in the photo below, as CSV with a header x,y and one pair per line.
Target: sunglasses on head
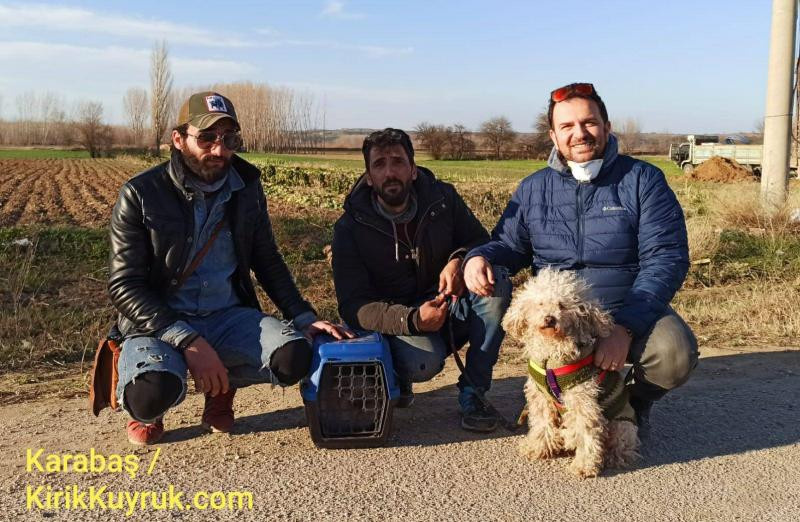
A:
x,y
562,93
207,139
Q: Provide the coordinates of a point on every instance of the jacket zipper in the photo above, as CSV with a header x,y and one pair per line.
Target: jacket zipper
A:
x,y
580,222
416,234
420,226
423,218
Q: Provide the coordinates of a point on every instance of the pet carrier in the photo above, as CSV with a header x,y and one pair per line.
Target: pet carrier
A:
x,y
350,393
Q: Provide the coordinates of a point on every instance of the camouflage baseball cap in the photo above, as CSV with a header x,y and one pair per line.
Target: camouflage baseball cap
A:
x,y
204,109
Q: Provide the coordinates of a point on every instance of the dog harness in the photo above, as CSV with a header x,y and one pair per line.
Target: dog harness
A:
x,y
613,396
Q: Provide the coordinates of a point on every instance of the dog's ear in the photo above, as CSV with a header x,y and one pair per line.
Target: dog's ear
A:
x,y
514,321
600,321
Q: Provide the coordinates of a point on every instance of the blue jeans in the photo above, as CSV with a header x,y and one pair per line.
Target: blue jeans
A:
x,y
418,358
244,338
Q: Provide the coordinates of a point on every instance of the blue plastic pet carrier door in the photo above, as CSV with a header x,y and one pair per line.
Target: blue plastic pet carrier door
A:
x,y
350,393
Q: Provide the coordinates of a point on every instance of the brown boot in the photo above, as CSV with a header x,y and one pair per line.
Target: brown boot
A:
x,y
218,412
142,434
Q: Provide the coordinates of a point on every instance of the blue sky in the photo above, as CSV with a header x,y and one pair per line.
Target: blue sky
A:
x,y
679,66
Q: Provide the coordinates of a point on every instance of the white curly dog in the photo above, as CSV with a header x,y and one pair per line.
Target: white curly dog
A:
x,y
572,404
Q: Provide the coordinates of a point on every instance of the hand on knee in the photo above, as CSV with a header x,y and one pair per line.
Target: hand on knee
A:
x,y
291,362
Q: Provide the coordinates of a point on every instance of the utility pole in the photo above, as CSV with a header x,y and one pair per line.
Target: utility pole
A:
x,y
778,119
795,156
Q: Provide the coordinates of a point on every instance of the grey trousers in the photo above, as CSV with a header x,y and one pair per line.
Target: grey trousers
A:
x,y
664,358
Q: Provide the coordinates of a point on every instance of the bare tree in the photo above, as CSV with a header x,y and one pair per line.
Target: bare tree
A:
x,y
460,144
759,131
50,116
630,135
274,119
94,135
26,107
160,92
538,144
433,137
498,135
136,104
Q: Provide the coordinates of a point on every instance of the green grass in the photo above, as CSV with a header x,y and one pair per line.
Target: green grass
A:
x,y
54,305
672,171
449,170
311,160
42,154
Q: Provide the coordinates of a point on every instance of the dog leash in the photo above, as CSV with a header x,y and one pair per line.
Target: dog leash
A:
x,y
507,424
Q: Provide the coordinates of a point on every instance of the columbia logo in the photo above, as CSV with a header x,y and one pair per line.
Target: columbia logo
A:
x,y
609,209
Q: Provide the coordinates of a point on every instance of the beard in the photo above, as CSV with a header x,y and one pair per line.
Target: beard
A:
x,y
394,192
208,169
588,150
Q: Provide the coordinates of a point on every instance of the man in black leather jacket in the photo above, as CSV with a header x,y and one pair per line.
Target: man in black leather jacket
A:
x,y
185,237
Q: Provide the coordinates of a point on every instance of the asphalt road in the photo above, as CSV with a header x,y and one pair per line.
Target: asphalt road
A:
x,y
726,446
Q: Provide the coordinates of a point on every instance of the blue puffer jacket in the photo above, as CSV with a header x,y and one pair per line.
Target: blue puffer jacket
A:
x,y
624,232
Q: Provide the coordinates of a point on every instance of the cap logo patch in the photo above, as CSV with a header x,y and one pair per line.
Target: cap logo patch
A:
x,y
216,104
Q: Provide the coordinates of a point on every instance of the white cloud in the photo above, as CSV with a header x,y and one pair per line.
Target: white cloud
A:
x,y
268,31
101,73
370,50
83,21
360,94
102,59
336,9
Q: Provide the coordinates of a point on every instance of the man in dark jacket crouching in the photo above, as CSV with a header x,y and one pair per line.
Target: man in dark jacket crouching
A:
x,y
397,254
185,236
615,221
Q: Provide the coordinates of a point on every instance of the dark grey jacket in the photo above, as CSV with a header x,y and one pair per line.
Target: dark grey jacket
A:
x,y
151,231
377,292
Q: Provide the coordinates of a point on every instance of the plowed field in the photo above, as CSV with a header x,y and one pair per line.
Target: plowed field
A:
x,y
61,191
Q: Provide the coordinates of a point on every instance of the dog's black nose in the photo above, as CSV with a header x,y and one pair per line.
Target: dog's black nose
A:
x,y
549,321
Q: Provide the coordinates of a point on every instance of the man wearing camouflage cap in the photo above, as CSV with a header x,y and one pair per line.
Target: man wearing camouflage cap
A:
x,y
185,236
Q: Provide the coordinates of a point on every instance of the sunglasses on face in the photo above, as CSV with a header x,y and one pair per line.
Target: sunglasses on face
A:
x,y
207,139
562,93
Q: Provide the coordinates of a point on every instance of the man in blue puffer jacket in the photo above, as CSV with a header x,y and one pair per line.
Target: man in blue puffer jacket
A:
x,y
615,221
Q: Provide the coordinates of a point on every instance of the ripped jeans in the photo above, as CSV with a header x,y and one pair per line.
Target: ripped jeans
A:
x,y
244,338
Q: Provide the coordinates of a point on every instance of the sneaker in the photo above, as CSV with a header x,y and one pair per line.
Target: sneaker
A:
x,y
142,434
406,398
474,415
218,412
642,407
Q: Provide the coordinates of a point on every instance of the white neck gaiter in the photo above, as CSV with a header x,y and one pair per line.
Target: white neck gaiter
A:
x,y
586,171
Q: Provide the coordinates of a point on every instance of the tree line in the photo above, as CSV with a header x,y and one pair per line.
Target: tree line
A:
x,y
273,119
496,138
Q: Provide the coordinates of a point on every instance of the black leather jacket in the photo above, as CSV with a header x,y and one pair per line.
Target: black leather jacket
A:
x,y
151,232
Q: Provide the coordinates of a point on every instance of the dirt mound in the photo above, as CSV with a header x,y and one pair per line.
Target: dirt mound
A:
x,y
722,169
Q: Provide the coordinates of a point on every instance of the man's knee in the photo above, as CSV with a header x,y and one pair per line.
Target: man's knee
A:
x,y
418,358
425,368
291,362
151,394
490,310
670,353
